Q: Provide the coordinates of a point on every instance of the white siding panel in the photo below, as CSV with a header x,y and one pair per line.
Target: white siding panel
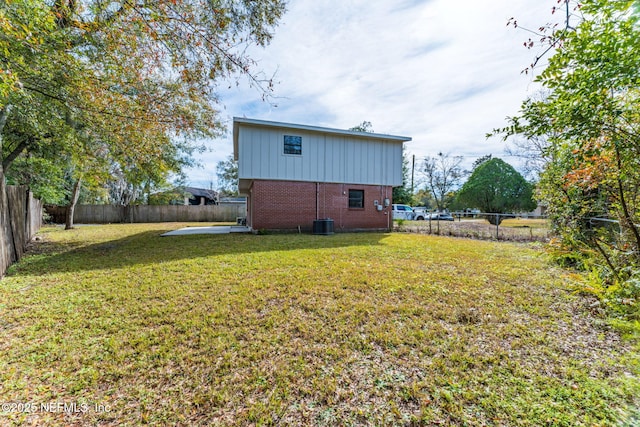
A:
x,y
371,167
374,155
312,157
258,150
367,168
264,141
353,167
325,157
335,156
394,166
387,162
245,166
309,160
351,162
359,172
274,153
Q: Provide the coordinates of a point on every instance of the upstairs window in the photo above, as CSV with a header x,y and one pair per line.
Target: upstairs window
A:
x,y
356,199
292,144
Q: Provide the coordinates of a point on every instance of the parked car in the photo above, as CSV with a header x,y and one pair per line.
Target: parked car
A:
x,y
402,212
468,212
420,213
441,216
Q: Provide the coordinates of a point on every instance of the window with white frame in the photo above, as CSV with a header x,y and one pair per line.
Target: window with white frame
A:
x,y
293,144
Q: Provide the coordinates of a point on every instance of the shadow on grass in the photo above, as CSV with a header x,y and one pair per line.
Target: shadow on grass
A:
x,y
149,247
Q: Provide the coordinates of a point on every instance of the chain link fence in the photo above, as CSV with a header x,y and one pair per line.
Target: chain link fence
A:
x,y
483,226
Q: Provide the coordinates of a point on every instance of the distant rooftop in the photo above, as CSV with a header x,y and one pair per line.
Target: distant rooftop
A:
x,y
201,192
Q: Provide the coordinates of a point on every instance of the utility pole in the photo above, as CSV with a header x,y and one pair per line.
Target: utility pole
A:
x,y
413,168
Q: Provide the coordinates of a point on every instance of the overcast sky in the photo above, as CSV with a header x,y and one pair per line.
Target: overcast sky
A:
x,y
442,72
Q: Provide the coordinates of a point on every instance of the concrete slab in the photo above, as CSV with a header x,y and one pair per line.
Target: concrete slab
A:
x,y
219,229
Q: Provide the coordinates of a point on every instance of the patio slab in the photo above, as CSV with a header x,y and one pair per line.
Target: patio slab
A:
x,y
219,229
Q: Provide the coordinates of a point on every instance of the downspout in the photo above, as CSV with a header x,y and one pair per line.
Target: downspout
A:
x,y
344,206
386,211
317,200
383,191
250,202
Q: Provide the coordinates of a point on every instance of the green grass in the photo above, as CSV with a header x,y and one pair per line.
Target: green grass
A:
x,y
349,329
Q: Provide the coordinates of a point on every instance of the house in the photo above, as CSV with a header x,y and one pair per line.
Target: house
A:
x,y
200,196
296,174
184,196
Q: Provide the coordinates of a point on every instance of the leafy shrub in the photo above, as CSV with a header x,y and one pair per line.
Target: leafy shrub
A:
x,y
624,298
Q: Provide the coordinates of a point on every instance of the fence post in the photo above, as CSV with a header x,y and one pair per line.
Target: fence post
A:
x,y
497,226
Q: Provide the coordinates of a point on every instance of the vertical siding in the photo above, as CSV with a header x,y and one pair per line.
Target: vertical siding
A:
x,y
325,157
335,159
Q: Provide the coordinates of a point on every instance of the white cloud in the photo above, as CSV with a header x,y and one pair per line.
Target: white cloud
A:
x,y
442,72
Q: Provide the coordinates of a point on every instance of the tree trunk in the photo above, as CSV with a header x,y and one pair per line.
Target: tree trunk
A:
x,y
498,218
4,115
72,204
628,219
494,219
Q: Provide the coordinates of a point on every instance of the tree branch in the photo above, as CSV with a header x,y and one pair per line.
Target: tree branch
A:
x,y
6,162
606,257
628,219
94,110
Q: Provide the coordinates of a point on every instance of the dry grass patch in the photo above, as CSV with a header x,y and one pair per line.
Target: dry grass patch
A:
x,y
360,329
513,229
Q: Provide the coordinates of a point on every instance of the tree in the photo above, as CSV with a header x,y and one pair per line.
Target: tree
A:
x,y
402,194
137,77
227,171
591,122
496,187
443,173
45,175
532,151
424,198
365,126
480,160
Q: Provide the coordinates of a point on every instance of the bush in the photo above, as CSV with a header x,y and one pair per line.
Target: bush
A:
x,y
624,298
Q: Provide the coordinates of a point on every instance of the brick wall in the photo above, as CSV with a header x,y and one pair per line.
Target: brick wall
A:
x,y
282,205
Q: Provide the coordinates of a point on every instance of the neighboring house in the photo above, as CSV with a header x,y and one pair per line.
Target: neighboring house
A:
x,y
200,196
540,210
233,199
185,196
294,174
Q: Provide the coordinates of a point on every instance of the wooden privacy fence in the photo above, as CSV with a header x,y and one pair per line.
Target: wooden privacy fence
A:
x,y
20,220
105,214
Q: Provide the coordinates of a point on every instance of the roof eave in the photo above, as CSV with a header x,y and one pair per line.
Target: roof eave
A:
x,y
265,123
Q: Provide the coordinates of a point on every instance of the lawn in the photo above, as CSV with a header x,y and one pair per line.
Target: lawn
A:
x,y
125,327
